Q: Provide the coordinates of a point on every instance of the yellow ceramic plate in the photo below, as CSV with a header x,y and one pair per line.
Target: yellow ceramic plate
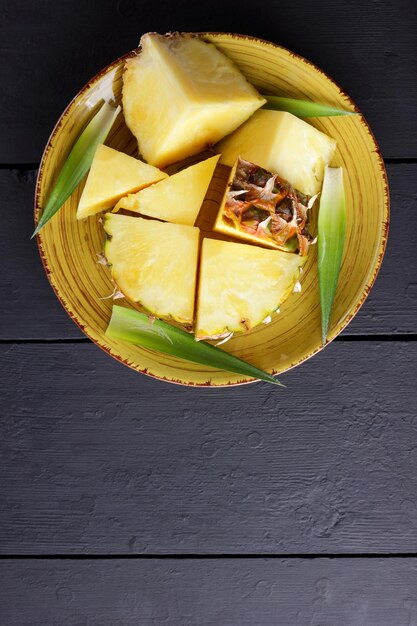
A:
x,y
69,248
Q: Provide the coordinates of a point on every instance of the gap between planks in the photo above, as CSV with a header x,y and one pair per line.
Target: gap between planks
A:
x,y
35,166
405,337
210,556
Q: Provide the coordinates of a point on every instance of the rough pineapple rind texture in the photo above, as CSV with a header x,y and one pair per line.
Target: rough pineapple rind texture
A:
x,y
225,224
221,225
284,145
181,94
112,175
241,285
175,199
154,263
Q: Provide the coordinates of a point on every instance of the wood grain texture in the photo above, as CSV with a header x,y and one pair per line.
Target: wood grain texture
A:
x,y
261,592
98,459
30,309
51,50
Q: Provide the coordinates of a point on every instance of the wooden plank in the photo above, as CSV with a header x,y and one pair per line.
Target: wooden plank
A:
x,y
31,311
52,49
265,592
391,307
99,459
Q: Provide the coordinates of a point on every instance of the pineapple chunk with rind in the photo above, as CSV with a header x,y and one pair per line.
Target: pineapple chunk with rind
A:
x,y
175,199
283,144
181,94
220,226
240,285
243,183
154,263
112,175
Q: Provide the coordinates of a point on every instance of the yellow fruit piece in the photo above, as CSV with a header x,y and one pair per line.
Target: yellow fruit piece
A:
x,y
181,94
175,199
112,175
154,264
241,285
284,145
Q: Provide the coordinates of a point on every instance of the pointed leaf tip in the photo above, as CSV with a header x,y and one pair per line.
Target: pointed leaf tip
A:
x,y
331,240
304,108
134,327
78,161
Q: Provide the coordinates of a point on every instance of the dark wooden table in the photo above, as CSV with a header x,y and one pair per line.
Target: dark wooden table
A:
x,y
126,501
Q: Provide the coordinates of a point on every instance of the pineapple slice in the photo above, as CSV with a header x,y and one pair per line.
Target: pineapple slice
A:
x,y
112,175
282,143
154,264
175,199
181,94
265,209
241,285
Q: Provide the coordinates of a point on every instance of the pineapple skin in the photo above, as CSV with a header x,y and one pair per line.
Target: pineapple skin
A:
x,y
176,199
154,264
181,94
112,175
227,227
230,298
221,226
284,144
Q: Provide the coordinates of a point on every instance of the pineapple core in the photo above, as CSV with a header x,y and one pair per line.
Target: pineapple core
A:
x,y
241,285
283,144
181,94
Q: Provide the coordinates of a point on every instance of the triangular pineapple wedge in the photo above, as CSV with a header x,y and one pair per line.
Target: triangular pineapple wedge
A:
x,y
240,285
112,175
154,263
181,94
283,144
261,207
175,199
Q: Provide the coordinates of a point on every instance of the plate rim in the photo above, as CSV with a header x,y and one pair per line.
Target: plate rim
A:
x,y
384,224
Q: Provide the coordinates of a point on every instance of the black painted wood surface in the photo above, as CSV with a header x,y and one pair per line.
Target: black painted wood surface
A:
x,y
98,460
258,592
52,49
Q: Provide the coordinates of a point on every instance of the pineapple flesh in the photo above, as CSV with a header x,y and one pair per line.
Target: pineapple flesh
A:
x,y
281,143
240,285
175,199
154,264
181,94
265,209
112,175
